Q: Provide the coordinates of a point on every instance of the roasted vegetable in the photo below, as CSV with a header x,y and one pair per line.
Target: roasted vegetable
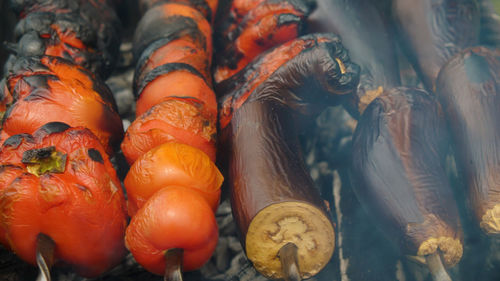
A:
x,y
273,198
252,27
46,89
370,44
160,220
173,185
398,173
60,182
60,197
432,32
468,90
84,32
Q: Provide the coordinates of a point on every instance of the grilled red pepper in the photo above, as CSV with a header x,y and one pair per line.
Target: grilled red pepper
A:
x,y
60,182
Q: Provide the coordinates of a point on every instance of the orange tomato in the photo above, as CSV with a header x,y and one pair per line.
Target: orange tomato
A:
x,y
174,217
172,164
182,120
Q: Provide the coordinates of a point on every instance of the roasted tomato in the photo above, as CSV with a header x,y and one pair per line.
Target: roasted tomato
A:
x,y
174,217
172,164
60,182
183,120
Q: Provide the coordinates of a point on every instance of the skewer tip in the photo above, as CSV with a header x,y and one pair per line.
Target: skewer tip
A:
x,y
289,263
173,265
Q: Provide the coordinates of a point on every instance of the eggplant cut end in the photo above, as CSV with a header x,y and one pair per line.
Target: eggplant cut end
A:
x,y
451,248
300,223
490,222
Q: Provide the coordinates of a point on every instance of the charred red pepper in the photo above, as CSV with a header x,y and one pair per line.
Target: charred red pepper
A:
x,y
57,181
60,182
84,32
46,89
253,27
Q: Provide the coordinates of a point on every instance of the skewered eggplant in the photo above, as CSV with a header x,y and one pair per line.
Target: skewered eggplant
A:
x,y
432,32
399,149
273,198
468,90
397,171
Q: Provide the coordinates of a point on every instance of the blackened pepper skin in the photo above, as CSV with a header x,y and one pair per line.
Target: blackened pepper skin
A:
x,y
468,88
433,31
84,32
399,149
274,200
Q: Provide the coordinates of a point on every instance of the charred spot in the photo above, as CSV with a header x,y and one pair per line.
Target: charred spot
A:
x,y
15,140
95,155
53,127
287,19
39,80
164,69
38,153
154,26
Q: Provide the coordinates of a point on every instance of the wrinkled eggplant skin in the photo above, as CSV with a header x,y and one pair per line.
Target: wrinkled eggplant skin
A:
x,y
490,25
399,149
468,88
266,165
433,31
260,142
369,42
307,82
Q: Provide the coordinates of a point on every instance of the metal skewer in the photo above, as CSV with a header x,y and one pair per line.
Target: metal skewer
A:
x,y
289,264
44,256
436,267
173,265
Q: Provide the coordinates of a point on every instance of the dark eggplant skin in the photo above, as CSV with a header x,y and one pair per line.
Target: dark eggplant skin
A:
x,y
433,31
490,25
468,88
370,43
399,150
273,197
288,74
268,179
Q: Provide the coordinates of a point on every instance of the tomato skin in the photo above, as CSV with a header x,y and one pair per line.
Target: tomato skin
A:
x,y
183,120
174,217
172,164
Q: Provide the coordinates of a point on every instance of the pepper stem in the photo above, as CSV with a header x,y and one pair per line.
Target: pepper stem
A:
x,y
44,256
289,264
436,267
173,265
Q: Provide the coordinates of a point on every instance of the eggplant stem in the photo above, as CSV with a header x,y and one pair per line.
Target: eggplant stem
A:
x,y
173,265
436,267
44,256
289,264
